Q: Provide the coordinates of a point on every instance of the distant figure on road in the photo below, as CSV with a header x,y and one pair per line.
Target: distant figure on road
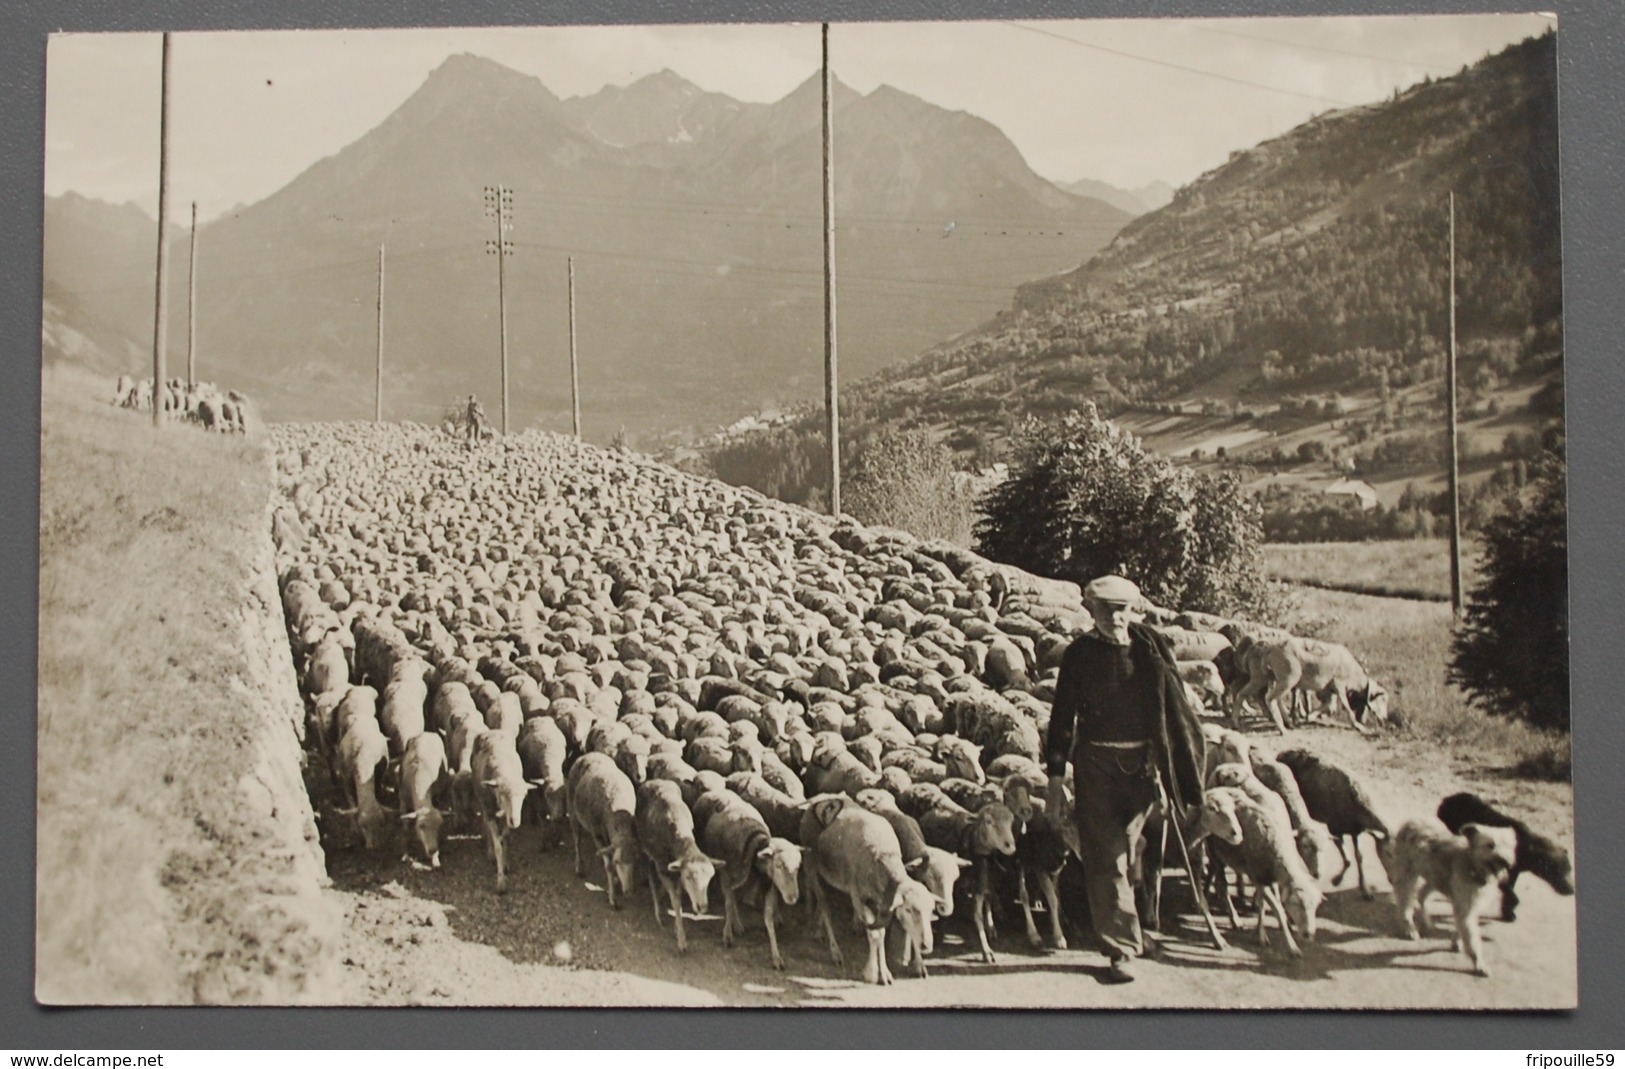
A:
x,y
476,421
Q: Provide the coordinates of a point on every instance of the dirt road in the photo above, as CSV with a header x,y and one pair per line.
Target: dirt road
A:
x,y
446,938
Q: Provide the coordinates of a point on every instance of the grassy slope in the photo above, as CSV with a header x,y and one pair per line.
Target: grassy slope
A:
x,y
1413,568
152,870
1405,645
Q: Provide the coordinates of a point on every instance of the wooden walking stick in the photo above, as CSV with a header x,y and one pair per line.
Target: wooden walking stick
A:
x,y
1156,880
1190,873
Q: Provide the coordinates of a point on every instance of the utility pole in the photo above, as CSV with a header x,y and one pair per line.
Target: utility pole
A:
x,y
832,410
499,206
191,305
378,370
1456,601
575,378
160,332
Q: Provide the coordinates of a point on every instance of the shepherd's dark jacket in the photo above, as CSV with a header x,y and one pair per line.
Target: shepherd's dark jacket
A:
x,y
1178,733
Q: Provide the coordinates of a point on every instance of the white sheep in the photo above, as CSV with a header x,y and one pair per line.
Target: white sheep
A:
x,y
1269,858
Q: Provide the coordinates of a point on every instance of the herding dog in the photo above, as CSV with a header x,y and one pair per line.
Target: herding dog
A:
x,y
1536,853
1425,857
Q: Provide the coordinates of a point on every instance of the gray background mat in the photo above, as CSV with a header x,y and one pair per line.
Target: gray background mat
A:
x,y
1591,38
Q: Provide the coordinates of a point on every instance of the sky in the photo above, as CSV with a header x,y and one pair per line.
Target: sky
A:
x,y
1122,101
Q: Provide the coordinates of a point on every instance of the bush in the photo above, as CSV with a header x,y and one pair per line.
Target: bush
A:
x,y
1511,653
903,479
789,463
1085,498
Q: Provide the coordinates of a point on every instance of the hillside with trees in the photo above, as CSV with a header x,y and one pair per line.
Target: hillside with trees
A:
x,y
1288,311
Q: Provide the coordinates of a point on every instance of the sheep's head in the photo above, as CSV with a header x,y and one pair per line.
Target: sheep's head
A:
x,y
633,758
1018,795
1372,703
747,755
996,829
962,759
895,780
508,794
939,871
1229,774
1316,847
1219,816
783,861
867,750
621,863
795,750
1302,903
694,872
557,798
914,909
827,746
876,800
426,824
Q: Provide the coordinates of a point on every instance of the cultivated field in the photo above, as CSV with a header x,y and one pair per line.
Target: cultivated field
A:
x,y
419,529
1411,568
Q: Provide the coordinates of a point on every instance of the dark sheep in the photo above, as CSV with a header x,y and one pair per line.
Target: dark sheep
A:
x,y
1336,800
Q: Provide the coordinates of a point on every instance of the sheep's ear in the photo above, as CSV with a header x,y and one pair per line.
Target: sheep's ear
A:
x,y
917,864
346,812
828,809
674,866
605,851
963,863
763,854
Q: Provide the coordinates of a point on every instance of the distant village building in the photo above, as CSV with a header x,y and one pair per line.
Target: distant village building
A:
x,y
1363,492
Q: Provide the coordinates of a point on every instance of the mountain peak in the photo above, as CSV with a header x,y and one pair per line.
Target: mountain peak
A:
x,y
466,72
668,81
889,94
813,86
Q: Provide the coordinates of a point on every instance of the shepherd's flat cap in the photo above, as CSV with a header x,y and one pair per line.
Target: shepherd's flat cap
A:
x,y
1112,588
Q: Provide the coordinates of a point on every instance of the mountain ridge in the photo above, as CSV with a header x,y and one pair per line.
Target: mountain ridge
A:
x,y
1287,308
697,261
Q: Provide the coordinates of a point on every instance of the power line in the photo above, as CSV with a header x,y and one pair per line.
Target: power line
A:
x,y
699,269
448,252
1325,48
790,218
1178,66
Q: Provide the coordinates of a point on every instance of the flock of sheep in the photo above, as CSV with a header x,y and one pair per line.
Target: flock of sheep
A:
x,y
700,686
202,403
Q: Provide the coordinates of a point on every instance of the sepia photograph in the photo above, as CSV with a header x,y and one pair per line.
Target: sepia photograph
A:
x,y
1063,514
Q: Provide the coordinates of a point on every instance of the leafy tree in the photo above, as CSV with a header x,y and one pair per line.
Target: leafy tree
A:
x,y
1085,497
901,478
1511,652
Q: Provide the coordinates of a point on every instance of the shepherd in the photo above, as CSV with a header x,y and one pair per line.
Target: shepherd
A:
x,y
476,420
1121,717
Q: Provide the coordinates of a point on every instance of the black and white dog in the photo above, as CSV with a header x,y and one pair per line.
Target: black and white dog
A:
x,y
1536,853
